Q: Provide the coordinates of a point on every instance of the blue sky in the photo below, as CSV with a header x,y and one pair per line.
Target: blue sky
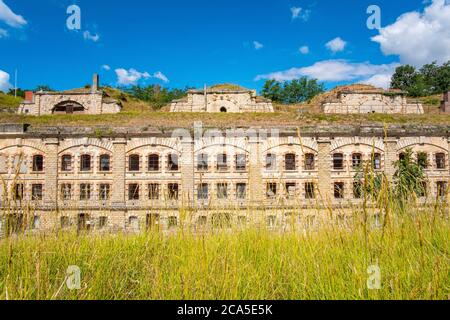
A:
x,y
179,43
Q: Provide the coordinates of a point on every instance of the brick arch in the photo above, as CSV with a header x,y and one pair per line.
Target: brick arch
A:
x,y
227,145
413,141
370,142
102,144
166,143
238,143
307,143
30,144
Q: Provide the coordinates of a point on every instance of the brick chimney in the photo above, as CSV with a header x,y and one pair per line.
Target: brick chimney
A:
x,y
29,96
95,82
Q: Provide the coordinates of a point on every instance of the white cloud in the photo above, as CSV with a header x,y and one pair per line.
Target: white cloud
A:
x,y
337,70
336,45
419,37
258,45
4,81
300,13
304,50
159,75
132,76
9,17
106,67
380,80
3,33
88,36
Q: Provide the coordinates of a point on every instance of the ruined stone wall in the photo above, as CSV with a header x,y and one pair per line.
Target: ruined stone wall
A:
x,y
280,188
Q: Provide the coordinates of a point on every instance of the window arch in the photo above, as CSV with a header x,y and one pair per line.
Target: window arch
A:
x,y
134,162
68,107
105,163
38,163
153,162
290,162
66,163
85,163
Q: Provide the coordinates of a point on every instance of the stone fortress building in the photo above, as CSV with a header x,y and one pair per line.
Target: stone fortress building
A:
x,y
351,101
136,179
78,101
222,98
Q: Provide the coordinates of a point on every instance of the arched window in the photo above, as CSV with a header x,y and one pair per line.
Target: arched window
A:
x,y
85,163
356,161
134,162
338,161
271,161
105,163
290,162
153,162
66,163
222,162
202,162
440,161
38,163
223,110
172,162
309,161
376,161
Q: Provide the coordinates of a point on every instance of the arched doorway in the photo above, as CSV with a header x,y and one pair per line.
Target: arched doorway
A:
x,y
223,110
68,107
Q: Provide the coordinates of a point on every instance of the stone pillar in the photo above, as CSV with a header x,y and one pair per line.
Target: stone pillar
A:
x,y
325,187
187,172
51,173
119,168
255,185
390,157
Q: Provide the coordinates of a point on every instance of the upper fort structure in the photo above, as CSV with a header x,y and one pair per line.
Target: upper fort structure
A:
x,y
222,98
371,100
77,101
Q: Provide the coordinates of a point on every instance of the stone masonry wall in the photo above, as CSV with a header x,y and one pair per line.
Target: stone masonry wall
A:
x,y
141,186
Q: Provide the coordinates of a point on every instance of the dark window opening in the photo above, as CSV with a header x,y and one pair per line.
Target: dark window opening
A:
x,y
202,162
36,191
241,162
133,191
153,163
339,190
290,161
173,190
309,161
338,161
85,164
66,163
38,163
172,162
134,163
105,163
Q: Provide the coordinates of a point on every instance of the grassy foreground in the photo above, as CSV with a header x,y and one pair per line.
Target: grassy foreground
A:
x,y
412,252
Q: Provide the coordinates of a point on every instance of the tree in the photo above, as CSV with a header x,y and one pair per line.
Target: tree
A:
x,y
295,91
43,87
272,90
156,95
404,77
20,92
